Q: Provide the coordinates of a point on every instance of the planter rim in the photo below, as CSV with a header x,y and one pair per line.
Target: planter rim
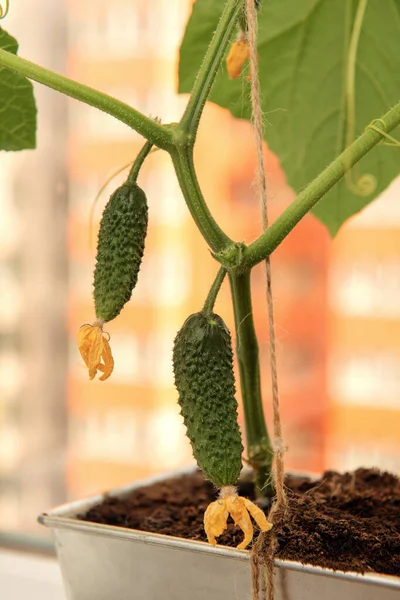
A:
x,y
65,517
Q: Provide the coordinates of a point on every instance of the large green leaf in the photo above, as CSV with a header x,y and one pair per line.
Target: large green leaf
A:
x,y
17,105
303,48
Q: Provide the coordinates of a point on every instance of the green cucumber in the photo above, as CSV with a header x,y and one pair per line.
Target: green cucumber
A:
x,y
204,378
120,248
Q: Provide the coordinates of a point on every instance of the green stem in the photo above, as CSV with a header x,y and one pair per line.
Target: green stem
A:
x,y
139,160
276,233
259,448
183,162
210,66
185,133
158,134
213,293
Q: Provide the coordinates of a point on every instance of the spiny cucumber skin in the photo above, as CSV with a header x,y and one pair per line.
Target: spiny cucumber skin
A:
x,y
203,369
120,248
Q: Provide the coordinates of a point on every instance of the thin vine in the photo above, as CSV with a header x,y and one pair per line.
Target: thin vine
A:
x,y
4,11
360,185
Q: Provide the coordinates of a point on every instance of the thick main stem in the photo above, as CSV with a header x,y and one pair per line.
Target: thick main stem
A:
x,y
259,448
158,134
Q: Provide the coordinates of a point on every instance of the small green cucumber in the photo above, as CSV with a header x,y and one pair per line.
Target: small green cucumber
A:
x,y
120,247
204,378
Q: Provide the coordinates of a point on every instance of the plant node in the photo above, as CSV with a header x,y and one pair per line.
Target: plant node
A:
x,y
181,137
231,257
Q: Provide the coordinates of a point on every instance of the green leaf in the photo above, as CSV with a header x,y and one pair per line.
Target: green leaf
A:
x,y
303,50
17,105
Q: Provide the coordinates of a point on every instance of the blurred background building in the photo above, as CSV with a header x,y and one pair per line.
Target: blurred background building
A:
x,y
336,303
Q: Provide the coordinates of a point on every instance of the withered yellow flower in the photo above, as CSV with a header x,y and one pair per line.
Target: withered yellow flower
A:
x,y
240,509
95,350
238,55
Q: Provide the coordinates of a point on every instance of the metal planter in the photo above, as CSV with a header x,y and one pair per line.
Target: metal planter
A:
x,y
101,562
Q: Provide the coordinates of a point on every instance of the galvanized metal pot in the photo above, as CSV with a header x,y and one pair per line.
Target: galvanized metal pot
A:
x,y
101,562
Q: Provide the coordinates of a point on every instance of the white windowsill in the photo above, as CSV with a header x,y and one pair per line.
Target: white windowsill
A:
x,y
24,576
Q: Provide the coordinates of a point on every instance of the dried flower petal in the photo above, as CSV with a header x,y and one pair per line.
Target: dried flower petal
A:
x,y
84,343
94,347
258,515
107,359
238,55
216,517
95,352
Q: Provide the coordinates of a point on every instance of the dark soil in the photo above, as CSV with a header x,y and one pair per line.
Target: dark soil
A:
x,y
349,522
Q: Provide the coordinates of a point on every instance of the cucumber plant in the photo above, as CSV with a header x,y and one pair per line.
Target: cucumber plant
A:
x,y
328,74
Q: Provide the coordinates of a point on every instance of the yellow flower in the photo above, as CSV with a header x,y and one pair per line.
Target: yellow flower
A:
x,y
95,348
229,503
238,55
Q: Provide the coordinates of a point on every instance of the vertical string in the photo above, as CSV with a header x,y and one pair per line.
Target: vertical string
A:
x,y
251,14
278,470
